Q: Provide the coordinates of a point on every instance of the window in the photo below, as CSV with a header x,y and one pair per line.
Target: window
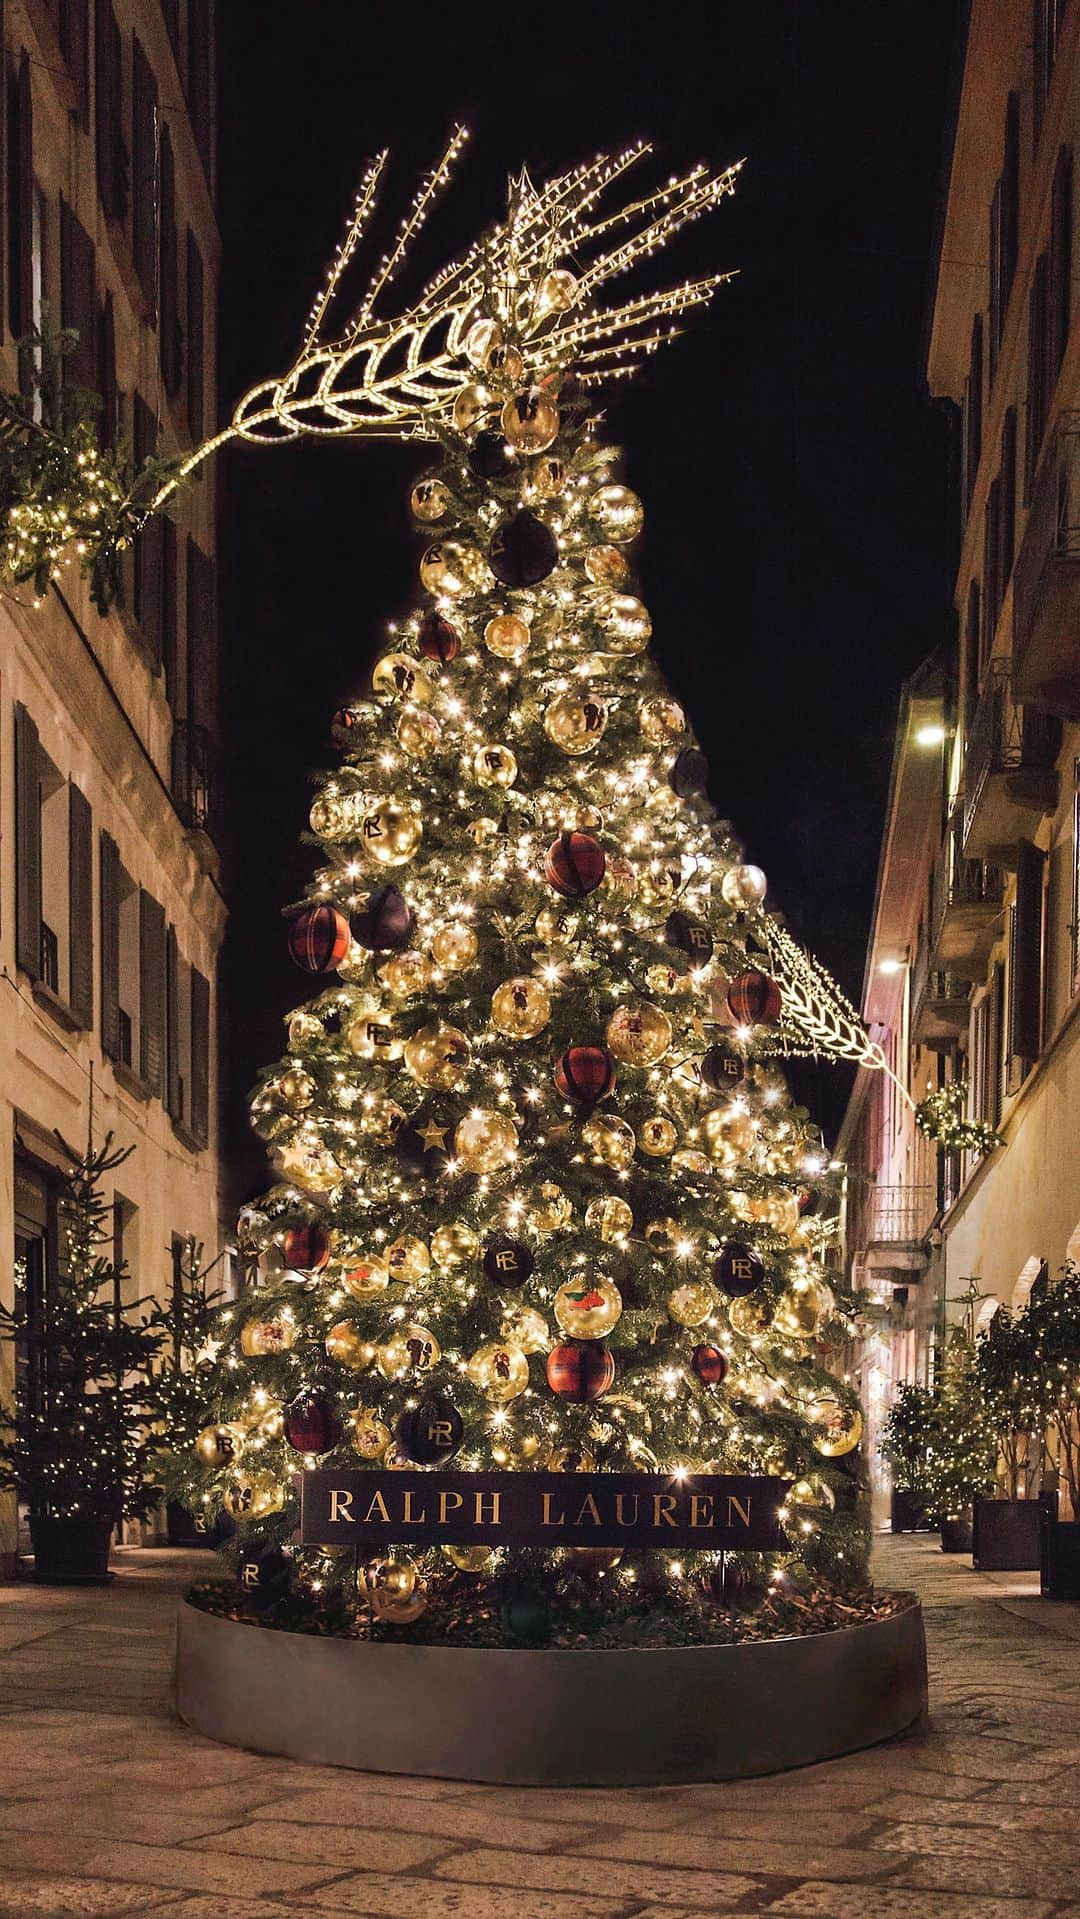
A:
x,y
1026,966
973,409
1004,229
170,337
1007,505
53,899
78,299
1059,289
151,993
1038,384
148,590
971,660
187,1045
20,197
113,168
196,339
200,79
144,175
991,598
105,382
985,1094
74,32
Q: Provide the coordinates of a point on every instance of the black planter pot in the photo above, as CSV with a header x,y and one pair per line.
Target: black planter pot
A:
x,y
71,1552
1005,1536
956,1535
1059,1552
906,1514
186,1529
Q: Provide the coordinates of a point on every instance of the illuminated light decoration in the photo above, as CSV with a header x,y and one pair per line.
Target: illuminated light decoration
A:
x,y
942,1118
815,1017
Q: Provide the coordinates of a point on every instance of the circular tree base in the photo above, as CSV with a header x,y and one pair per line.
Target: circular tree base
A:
x,y
546,1717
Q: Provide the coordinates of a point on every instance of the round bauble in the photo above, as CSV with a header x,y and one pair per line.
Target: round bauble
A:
x,y
738,1270
397,676
587,1308
744,886
438,640
311,1424
408,1260
296,1089
390,832
368,1434
690,937
638,1033
750,1314
366,1278
576,725
507,1262
555,929
373,1032
530,420
523,551
693,1302
690,1163
437,1056
306,1248
520,1008
557,292
729,1133
710,1364
261,1336
430,1432
407,975
334,816
811,1496
484,1141
839,1425
505,363
470,1559
452,571
344,724
585,1074
394,1592
454,1246
305,1029
470,404
606,566
381,1119
219,1445
690,773
309,1166
499,1371
657,1136
572,1459
800,1310
507,637
612,1220
254,1497
722,1071
429,501
454,947
410,1349
574,865
346,1344
617,512
621,878
491,456
664,1235
624,621
547,1209
661,720
549,477
523,1326
483,335
610,1140
663,979
580,1372
494,765
754,999
318,938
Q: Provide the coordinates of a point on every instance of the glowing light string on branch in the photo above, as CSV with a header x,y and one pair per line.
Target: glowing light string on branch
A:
x,y
816,1018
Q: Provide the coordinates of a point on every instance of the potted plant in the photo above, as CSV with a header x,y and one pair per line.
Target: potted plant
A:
x,y
178,1398
904,1445
961,1451
74,1444
1054,1321
1006,1524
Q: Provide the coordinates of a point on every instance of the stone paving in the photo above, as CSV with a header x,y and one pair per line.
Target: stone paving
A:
x,y
109,1806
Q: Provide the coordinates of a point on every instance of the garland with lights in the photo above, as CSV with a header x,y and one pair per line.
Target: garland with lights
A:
x,y
941,1116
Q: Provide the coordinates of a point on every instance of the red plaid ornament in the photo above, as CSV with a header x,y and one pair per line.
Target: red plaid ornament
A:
x,y
574,865
319,938
580,1370
585,1074
710,1364
754,999
306,1248
438,639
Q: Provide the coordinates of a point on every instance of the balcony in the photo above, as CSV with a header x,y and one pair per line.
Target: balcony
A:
x,y
1046,589
899,1222
966,907
1010,779
196,786
939,1005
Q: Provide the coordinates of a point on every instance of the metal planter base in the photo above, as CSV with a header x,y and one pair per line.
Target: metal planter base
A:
x,y
542,1717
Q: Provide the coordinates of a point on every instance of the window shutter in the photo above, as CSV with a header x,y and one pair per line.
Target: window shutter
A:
x,y
27,845
1038,396
995,280
991,559
169,334
1060,291
78,297
971,656
1026,966
973,406
74,26
200,1057
148,596
112,153
199,83
151,992
110,947
1010,201
108,419
174,1079
169,634
81,907
196,339
20,203
201,637
171,14
144,173
1007,503
994,1042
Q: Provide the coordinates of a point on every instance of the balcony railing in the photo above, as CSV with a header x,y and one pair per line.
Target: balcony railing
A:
x,y
901,1215
965,905
1046,583
196,786
1010,780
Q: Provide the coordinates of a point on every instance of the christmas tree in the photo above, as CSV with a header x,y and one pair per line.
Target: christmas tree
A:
x,y
544,1200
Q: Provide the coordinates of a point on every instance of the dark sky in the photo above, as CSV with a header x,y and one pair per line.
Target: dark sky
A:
x,y
797,480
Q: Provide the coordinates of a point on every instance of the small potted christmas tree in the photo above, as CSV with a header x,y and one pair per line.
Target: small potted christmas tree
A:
x,y
962,1448
74,1443
1006,1525
904,1447
1054,1321
178,1394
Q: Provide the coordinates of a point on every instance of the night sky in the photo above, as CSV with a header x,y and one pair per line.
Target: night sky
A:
x,y
798,483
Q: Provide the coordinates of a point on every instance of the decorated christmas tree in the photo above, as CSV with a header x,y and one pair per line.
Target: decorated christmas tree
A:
x,y
543,1201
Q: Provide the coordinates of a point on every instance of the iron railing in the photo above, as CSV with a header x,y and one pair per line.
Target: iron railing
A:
x,y
1004,738
901,1215
958,881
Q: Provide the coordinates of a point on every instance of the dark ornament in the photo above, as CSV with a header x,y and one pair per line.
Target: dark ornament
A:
x,y
710,1364
526,1616
438,639
491,456
689,936
262,1572
585,1074
754,999
739,1270
431,1432
311,1424
343,725
723,1071
574,865
690,773
306,1248
385,923
318,938
580,1370
735,1588
423,1156
507,1262
523,551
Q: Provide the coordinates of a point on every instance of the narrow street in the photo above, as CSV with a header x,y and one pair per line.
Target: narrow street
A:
x,y
110,1806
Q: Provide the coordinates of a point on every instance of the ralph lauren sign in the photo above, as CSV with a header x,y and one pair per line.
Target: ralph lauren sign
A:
x,y
710,1511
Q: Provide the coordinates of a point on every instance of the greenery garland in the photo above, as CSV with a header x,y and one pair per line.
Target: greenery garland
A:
x,y
941,1117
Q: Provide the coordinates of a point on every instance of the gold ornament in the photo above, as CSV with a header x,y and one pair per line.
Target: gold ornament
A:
x,y
481,337
255,1497
499,1371
429,500
484,1141
366,1278
547,1208
372,1032
296,1088
557,293
658,884
410,1349
408,1260
260,1336
573,815
451,570
592,1559
587,1308
530,420
507,637
572,1459
437,1056
663,979
840,1425
728,1130
470,405
744,886
381,1119
693,1302
305,1029
394,1591
335,816
523,1326
549,477
346,1344
469,1559
400,677
494,765
419,733
555,928
576,725
356,964
661,720
390,832
482,831
663,1234
618,512
657,1136
407,974
800,1310
812,1495
219,1445
505,363
309,1166
638,1033
624,621
690,1161
453,1247
610,1140
751,1315
610,1219
621,878
454,947
520,1008
606,566
369,1436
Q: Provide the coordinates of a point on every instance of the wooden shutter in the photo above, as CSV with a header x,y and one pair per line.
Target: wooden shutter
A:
x,y
110,946
199,80
144,173
169,333
991,560
169,633
201,637
1010,201
74,29
200,1057
171,14
196,339
972,675
78,298
151,992
20,199
973,409
994,1042
1026,965
174,1075
1037,384
108,419
149,602
994,315
80,907
27,845
111,148
1059,292
1007,502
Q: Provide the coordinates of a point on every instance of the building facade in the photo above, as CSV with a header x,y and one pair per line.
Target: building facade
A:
x,y
111,908
973,970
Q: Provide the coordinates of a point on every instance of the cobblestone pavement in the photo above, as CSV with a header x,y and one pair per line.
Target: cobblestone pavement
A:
x,y
109,1806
